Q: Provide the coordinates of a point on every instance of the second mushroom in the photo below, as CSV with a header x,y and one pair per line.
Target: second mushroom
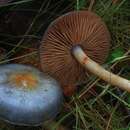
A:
x,y
75,42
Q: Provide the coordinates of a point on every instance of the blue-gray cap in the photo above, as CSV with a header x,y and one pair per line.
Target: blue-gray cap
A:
x,y
27,96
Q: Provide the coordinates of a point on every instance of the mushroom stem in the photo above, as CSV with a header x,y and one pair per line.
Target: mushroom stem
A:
x,y
98,70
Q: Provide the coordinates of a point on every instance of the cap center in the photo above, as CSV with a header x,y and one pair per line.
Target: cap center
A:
x,y
26,80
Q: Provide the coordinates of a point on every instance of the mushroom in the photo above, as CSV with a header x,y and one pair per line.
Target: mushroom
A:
x,y
27,96
75,42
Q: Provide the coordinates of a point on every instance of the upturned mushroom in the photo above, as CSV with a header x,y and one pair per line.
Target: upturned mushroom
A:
x,y
74,42
27,96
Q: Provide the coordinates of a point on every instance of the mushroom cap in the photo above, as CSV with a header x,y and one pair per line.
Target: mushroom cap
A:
x,y
27,96
82,28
